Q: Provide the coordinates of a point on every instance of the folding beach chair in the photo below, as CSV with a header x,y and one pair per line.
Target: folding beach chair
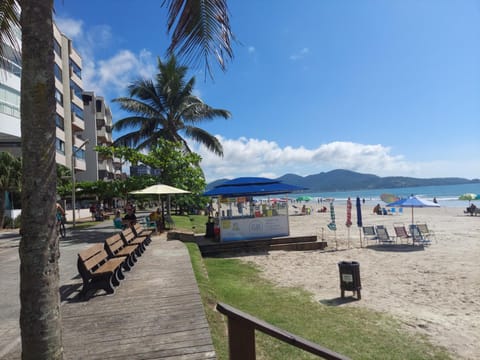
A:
x,y
401,232
418,237
383,237
369,233
426,232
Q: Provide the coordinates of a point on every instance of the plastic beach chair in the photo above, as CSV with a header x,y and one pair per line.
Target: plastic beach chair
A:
x,y
401,232
426,232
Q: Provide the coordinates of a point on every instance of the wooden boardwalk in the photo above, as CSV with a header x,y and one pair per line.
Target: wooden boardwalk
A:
x,y
155,313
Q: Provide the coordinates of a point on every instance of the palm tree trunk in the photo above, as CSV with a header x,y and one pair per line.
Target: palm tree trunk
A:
x,y
2,208
40,320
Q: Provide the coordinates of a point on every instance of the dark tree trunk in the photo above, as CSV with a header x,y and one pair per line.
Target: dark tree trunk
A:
x,y
2,208
40,320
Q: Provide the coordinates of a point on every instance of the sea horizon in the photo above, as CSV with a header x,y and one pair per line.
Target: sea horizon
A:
x,y
446,195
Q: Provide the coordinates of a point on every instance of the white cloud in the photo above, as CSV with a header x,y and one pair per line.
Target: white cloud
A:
x,y
300,55
108,77
254,157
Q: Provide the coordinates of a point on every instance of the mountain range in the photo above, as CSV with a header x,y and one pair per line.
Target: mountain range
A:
x,y
346,180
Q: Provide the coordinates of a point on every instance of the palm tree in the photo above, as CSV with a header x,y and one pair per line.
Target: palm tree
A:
x,y
10,175
166,109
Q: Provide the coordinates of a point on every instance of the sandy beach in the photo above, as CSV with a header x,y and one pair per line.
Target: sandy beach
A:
x,y
433,290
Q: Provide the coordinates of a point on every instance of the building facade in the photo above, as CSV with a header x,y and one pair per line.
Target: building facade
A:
x,y
98,129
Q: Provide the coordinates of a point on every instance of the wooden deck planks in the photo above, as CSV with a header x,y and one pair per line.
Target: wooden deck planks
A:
x,y
155,313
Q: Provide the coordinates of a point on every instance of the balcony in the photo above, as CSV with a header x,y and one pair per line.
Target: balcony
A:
x,y
103,136
77,123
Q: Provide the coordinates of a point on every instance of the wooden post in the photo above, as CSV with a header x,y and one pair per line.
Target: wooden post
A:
x,y
241,339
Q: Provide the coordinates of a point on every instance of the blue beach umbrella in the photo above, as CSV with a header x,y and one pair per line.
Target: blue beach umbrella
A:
x,y
413,202
359,218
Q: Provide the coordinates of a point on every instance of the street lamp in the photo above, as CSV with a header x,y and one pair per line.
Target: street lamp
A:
x,y
74,152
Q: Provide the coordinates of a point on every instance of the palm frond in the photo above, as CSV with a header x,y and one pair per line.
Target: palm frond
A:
x,y
9,28
201,30
203,137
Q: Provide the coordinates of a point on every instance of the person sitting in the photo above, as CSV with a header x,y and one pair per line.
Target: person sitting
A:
x,y
129,219
156,217
117,221
377,209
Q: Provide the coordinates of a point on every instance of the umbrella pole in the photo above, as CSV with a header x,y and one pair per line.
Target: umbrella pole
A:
x,y
360,233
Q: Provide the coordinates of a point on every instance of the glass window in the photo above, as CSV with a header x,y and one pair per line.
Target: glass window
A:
x,y
77,110
58,72
59,97
60,146
98,105
9,101
57,48
79,154
59,121
77,90
75,68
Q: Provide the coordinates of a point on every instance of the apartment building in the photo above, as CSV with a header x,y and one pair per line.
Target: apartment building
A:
x,y
98,129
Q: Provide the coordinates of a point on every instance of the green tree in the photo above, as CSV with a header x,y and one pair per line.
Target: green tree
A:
x,y
10,178
166,109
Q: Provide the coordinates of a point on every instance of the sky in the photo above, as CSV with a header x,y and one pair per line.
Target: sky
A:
x,y
390,88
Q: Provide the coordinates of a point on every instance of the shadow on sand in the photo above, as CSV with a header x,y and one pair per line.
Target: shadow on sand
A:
x,y
396,248
338,301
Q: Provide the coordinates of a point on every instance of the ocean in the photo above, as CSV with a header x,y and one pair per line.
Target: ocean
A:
x,y
446,195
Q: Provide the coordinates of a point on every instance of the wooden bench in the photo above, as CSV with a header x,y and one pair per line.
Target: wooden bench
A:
x,y
115,247
140,231
129,238
98,270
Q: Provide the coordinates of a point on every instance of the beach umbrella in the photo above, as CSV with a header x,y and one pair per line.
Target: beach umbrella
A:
x,y
359,218
389,198
468,196
349,213
304,198
332,226
413,202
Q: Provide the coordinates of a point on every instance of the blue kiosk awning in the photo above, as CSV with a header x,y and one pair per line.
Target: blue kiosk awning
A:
x,y
252,186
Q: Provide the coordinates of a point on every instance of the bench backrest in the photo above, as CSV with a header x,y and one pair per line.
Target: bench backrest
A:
x,y
114,244
128,235
92,257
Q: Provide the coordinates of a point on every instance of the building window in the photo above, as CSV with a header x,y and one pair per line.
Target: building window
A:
x,y
77,110
57,48
58,72
77,90
9,101
59,121
59,97
60,146
75,68
79,154
98,105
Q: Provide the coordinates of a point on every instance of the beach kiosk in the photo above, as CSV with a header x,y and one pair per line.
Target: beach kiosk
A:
x,y
248,209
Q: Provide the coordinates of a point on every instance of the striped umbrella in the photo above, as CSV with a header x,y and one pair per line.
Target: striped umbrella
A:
x,y
349,213
332,226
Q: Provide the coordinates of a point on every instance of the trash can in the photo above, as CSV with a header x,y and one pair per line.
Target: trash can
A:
x,y
350,277
210,225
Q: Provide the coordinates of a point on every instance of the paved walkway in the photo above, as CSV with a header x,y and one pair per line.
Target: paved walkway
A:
x,y
155,313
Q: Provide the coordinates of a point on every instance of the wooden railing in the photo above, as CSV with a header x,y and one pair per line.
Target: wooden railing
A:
x,y
241,336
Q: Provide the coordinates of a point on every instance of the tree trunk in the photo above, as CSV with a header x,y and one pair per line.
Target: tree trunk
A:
x,y
40,320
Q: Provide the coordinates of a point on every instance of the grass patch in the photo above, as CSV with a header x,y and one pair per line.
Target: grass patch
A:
x,y
354,332
195,223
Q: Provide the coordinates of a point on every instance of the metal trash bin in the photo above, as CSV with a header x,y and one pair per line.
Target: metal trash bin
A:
x,y
350,277
209,230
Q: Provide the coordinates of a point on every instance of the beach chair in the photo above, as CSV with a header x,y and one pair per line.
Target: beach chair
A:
x,y
400,211
369,233
393,211
417,236
426,232
382,235
401,232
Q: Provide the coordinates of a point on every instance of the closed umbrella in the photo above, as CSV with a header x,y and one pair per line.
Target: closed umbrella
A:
x,y
359,218
332,226
348,223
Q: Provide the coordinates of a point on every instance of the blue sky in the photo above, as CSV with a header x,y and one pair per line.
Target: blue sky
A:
x,y
381,87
